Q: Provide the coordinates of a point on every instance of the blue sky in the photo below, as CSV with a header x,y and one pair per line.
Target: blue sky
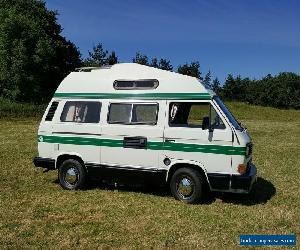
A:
x,y
250,38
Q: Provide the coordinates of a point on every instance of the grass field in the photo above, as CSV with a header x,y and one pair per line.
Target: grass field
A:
x,y
35,212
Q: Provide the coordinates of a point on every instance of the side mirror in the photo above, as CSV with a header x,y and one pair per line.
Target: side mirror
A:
x,y
206,124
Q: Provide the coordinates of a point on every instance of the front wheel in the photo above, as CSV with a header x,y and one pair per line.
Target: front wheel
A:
x,y
187,185
71,174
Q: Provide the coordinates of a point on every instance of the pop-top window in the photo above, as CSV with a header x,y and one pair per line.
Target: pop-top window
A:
x,y
136,84
82,112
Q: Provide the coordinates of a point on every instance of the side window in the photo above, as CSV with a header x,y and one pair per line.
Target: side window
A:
x,y
81,112
196,114
133,113
216,121
187,114
119,113
144,113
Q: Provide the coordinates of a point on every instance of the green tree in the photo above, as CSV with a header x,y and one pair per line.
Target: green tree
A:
x,y
160,64
97,57
192,69
112,58
165,64
154,63
207,80
282,91
235,88
216,87
34,57
140,59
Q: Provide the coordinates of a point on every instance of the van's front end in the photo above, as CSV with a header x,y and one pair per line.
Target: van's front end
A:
x,y
244,173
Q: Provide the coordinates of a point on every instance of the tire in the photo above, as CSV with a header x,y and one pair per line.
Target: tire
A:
x,y
187,185
71,174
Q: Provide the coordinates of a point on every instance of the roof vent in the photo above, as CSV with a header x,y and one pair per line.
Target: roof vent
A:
x,y
136,84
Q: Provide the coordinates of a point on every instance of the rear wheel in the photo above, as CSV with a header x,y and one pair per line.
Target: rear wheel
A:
x,y
187,185
71,174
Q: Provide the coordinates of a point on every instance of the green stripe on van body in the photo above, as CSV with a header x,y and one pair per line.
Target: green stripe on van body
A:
x,y
180,147
201,148
80,141
147,96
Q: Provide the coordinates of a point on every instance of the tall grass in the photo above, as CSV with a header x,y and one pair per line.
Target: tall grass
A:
x,y
11,109
35,212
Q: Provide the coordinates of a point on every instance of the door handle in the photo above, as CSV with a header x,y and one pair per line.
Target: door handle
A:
x,y
135,142
169,140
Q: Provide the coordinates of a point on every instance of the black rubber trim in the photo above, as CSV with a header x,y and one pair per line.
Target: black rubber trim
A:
x,y
219,181
244,181
127,175
44,163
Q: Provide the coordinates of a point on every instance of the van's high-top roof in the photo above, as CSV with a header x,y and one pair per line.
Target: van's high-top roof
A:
x,y
98,83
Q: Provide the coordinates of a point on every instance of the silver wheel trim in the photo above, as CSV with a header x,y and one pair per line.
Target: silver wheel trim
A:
x,y
185,187
71,176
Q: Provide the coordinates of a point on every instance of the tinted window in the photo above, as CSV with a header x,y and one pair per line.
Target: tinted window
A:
x,y
133,113
123,84
146,84
119,113
82,112
144,113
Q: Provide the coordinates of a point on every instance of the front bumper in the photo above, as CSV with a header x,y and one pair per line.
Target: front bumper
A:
x,y
233,183
245,181
44,163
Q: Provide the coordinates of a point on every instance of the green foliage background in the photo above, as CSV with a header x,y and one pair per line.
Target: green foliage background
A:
x,y
281,91
35,57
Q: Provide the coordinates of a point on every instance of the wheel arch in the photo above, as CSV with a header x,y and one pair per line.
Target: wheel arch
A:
x,y
65,156
183,164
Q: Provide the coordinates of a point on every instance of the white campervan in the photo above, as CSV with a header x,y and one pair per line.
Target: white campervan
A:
x,y
134,123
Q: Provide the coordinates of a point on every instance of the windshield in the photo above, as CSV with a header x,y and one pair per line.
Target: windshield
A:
x,y
228,114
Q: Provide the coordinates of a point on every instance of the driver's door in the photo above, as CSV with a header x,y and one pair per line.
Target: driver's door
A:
x,y
184,137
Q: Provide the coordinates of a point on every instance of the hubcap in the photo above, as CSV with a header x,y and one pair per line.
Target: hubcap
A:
x,y
71,176
185,187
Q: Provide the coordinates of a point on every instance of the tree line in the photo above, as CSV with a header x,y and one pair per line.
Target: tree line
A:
x,y
35,57
280,91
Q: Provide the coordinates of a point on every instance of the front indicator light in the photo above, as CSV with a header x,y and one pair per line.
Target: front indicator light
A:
x,y
249,148
242,168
